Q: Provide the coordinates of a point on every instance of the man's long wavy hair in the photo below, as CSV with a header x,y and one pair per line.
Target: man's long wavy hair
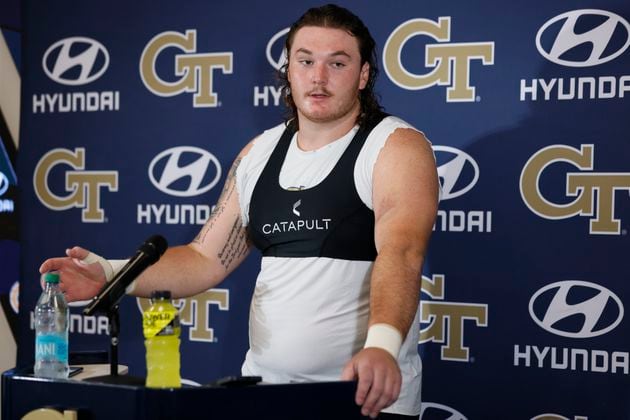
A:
x,y
333,16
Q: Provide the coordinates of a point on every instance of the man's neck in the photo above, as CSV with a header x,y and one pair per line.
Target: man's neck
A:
x,y
313,135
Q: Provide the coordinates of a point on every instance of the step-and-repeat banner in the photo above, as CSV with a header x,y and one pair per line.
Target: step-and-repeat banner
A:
x,y
132,112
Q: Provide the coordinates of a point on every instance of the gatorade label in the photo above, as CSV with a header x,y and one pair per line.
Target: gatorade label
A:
x,y
159,323
51,346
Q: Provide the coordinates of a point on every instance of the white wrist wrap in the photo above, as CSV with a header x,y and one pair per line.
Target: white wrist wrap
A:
x,y
95,258
110,268
117,265
384,336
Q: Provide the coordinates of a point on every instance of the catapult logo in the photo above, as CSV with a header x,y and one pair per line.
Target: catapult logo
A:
x,y
594,192
195,312
76,61
451,61
435,313
183,171
194,72
277,57
433,411
458,173
580,39
83,187
285,226
575,309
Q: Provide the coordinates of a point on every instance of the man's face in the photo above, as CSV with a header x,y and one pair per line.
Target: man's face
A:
x,y
325,73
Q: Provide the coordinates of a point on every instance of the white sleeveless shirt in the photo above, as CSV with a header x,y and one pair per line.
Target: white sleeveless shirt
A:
x,y
309,316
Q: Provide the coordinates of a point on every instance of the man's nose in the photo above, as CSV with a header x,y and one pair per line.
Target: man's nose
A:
x,y
320,74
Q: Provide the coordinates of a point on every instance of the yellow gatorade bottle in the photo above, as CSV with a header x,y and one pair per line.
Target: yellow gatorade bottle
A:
x,y
161,338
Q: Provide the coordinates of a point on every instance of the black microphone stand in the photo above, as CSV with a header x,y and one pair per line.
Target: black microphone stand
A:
x,y
113,328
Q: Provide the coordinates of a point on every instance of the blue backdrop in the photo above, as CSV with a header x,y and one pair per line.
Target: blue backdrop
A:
x,y
133,111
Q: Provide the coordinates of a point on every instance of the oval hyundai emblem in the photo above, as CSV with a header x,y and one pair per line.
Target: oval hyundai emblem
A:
x,y
457,170
4,183
272,48
184,171
75,61
583,38
576,309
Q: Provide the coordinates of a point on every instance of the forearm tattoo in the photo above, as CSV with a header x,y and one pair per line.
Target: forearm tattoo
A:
x,y
228,190
236,245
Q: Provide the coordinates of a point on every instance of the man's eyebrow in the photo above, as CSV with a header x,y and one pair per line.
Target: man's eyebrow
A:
x,y
334,54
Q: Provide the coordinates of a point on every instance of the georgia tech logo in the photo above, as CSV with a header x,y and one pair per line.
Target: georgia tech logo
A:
x,y
459,174
63,58
594,191
437,312
447,58
281,59
195,312
165,171
196,69
567,40
4,184
599,311
84,186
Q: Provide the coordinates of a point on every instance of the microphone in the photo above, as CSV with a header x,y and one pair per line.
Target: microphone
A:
x,y
111,293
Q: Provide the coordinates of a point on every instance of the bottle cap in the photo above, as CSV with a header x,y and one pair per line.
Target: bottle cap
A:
x,y
160,294
51,277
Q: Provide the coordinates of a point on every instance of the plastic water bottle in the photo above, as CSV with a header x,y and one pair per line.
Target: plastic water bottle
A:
x,y
161,332
51,331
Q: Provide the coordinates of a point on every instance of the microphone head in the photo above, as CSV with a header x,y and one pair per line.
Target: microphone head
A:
x,y
154,247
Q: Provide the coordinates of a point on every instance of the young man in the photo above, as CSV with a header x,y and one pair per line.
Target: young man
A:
x,y
341,202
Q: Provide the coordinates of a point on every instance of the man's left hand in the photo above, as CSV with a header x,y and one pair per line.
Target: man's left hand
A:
x,y
379,379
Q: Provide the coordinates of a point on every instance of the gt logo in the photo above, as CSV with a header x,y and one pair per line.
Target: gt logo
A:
x,y
196,70
436,313
583,186
195,312
447,58
84,186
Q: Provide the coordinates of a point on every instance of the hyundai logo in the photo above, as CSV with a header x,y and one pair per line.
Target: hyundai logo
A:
x,y
576,309
562,39
458,172
431,411
281,56
75,61
185,171
4,183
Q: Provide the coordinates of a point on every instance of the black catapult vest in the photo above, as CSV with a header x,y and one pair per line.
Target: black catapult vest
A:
x,y
327,220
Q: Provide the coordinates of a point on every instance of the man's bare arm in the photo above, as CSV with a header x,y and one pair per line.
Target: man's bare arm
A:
x,y
405,197
221,245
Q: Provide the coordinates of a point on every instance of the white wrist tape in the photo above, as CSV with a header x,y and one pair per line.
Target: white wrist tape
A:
x,y
110,267
107,267
117,265
384,336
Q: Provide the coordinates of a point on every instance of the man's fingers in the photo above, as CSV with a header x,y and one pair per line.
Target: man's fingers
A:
x,y
348,373
371,404
363,387
78,253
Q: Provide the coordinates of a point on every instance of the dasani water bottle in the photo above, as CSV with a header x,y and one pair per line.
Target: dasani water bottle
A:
x,y
51,331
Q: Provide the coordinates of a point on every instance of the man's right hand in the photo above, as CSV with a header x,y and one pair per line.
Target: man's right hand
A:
x,y
78,279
